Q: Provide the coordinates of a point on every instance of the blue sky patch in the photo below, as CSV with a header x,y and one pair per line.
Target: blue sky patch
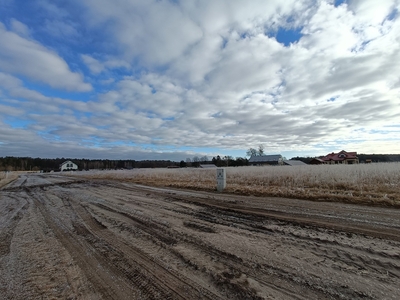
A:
x,y
17,123
339,2
332,99
392,15
217,115
288,36
168,119
224,43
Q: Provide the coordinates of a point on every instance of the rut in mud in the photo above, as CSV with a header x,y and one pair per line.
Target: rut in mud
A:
x,y
106,240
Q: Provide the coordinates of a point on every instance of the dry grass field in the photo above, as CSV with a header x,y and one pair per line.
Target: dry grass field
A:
x,y
373,184
6,178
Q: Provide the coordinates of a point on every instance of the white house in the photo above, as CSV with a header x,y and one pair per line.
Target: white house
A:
x,y
68,166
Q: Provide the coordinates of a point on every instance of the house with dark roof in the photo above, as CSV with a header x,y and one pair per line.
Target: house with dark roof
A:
x,y
260,160
341,157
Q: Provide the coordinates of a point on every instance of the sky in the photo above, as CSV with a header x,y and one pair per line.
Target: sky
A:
x,y
172,79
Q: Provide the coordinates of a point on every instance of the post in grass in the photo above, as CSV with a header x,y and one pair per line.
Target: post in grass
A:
x,y
221,179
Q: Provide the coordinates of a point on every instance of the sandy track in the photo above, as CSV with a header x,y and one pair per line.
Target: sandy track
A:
x,y
69,239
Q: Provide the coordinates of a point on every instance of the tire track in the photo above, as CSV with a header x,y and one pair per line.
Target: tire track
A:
x,y
235,264
99,272
231,214
8,226
166,278
372,229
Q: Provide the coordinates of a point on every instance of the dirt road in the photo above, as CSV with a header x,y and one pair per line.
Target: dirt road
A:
x,y
68,239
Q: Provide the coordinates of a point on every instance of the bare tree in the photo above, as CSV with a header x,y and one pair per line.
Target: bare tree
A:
x,y
196,162
260,150
188,162
251,152
228,158
255,152
204,158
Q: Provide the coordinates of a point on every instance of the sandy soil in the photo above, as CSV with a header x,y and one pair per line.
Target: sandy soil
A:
x,y
68,239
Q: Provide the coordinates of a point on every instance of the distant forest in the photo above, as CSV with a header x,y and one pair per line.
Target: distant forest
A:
x,y
10,163
48,164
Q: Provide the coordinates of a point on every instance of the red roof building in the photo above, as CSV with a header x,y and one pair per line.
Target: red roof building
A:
x,y
342,157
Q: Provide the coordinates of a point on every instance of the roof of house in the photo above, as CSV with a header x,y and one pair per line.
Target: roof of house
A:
x,y
67,162
317,159
342,155
265,158
294,162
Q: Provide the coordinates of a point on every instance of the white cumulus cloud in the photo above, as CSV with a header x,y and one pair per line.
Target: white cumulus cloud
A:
x,y
22,56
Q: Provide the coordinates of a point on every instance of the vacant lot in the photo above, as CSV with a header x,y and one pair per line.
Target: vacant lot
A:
x,y
68,238
371,184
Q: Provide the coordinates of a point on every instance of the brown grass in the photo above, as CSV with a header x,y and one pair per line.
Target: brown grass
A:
x,y
6,178
373,184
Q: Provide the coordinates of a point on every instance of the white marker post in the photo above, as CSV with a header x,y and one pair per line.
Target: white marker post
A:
x,y
221,179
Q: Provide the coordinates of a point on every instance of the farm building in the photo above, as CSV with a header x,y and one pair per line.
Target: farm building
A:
x,y
341,157
316,161
260,160
208,166
293,162
68,166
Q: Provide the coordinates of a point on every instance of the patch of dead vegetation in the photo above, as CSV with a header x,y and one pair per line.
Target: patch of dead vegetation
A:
x,y
6,178
373,184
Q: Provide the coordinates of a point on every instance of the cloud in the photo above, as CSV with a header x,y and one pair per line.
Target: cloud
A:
x,y
107,81
10,111
19,28
195,74
22,56
157,33
33,102
107,63
93,64
370,12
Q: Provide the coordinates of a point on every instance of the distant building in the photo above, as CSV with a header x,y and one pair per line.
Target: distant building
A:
x,y
294,162
208,166
316,161
341,157
68,166
260,160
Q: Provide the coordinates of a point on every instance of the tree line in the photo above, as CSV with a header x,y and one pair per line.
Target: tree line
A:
x,y
224,161
10,163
